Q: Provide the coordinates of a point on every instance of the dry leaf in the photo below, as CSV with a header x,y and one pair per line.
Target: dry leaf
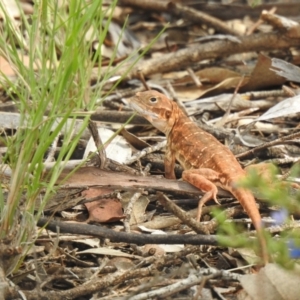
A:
x,y
272,282
262,77
164,247
286,70
283,108
121,263
103,210
117,149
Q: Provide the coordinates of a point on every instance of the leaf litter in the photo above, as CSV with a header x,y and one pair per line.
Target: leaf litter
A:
x,y
97,268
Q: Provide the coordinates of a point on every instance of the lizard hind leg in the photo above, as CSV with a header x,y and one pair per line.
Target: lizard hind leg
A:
x,y
206,197
203,180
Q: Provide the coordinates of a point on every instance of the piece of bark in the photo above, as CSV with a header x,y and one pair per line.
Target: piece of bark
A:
x,y
91,176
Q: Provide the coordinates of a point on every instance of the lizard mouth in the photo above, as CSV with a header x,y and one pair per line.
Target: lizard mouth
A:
x,y
145,113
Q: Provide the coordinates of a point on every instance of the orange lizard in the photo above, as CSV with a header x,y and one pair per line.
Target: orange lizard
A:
x,y
206,162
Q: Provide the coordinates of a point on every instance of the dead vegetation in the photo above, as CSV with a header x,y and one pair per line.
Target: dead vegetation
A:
x,y
111,231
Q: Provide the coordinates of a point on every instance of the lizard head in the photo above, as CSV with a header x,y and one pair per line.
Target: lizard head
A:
x,y
156,108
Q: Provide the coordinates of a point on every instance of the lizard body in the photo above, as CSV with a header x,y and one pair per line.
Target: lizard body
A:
x,y
207,163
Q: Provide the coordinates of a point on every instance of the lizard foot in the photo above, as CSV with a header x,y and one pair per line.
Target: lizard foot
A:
x,y
206,197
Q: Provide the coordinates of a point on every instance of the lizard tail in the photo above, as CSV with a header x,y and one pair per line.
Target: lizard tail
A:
x,y
247,201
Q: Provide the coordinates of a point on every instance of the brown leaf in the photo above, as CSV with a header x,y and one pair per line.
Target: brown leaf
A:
x,y
262,76
103,210
91,176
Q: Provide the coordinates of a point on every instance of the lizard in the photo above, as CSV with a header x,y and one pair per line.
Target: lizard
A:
x,y
207,163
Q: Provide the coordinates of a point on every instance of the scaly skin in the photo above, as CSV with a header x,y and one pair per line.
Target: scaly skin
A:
x,y
207,163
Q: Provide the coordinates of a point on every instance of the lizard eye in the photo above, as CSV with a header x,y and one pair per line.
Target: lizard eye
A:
x,y
153,100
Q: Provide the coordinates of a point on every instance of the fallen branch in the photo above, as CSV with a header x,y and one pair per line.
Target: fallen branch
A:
x,y
189,56
134,238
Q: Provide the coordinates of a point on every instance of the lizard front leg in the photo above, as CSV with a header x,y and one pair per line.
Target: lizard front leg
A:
x,y
169,163
203,179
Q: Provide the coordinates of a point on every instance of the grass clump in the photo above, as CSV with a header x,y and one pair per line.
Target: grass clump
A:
x,y
51,54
